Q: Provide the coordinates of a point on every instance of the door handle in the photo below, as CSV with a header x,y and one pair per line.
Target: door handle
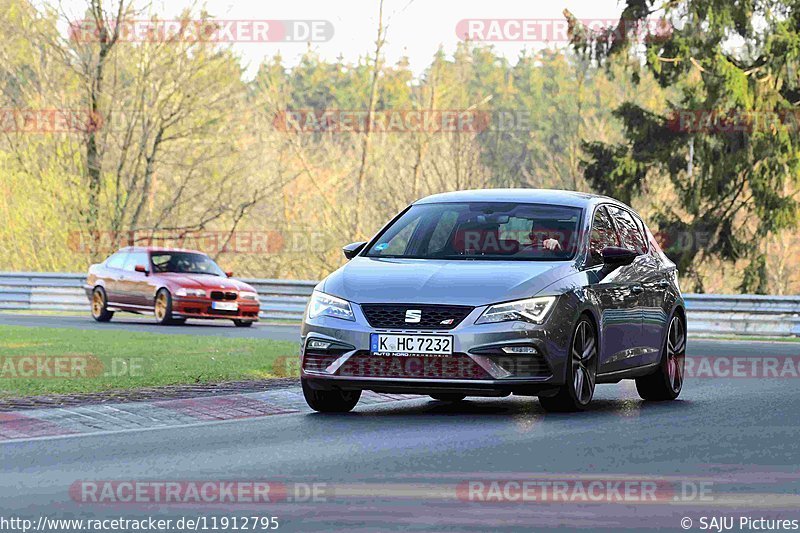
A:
x,y
637,289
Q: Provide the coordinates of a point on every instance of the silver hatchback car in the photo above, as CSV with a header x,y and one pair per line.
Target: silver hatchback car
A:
x,y
492,292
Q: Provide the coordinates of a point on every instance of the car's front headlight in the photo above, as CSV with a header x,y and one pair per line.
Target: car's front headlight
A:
x,y
200,293
530,310
322,304
248,295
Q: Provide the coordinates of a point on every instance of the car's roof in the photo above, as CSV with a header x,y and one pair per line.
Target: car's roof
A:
x,y
159,249
543,196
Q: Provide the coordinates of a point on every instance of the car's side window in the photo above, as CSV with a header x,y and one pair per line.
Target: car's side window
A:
x,y
602,235
136,258
643,230
117,260
630,233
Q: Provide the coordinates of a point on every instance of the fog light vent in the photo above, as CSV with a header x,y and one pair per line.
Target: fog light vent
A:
x,y
529,350
318,345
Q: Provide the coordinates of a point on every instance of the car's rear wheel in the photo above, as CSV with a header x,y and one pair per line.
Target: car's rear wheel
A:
x,y
100,310
448,397
242,323
163,307
581,374
666,382
330,401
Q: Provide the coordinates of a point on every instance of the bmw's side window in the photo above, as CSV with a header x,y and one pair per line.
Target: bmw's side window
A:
x,y
630,232
134,259
117,260
602,235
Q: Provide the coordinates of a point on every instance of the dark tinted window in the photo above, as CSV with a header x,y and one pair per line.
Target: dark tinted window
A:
x,y
136,258
186,263
482,231
603,234
629,231
117,260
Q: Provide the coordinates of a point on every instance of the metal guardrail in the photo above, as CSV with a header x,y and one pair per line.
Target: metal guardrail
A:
x,y
742,314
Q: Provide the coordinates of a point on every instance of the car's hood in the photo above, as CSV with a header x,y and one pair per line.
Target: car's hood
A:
x,y
203,281
374,280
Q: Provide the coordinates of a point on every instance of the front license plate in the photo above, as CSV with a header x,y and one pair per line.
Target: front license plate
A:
x,y
225,306
381,344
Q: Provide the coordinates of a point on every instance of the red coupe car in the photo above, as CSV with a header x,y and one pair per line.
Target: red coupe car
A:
x,y
172,284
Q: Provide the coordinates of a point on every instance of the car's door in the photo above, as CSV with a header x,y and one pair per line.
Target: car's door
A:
x,y
135,284
635,277
656,279
617,296
111,274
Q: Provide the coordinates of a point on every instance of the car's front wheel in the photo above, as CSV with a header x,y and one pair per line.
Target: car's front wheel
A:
x,y
242,323
330,401
666,382
100,310
163,307
581,375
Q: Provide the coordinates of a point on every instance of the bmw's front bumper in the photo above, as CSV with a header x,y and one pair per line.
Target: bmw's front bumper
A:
x,y
478,367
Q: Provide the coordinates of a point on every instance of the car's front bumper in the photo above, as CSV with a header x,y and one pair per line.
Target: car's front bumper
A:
x,y
478,365
187,307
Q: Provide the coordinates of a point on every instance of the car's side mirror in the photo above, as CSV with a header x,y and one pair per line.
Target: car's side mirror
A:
x,y
142,269
614,257
229,274
352,249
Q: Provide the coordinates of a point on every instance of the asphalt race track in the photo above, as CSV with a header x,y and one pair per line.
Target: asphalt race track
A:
x,y
729,447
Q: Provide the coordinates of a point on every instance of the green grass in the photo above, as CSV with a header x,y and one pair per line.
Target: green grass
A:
x,y
72,360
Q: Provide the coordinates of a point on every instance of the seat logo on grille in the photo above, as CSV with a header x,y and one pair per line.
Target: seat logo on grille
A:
x,y
413,316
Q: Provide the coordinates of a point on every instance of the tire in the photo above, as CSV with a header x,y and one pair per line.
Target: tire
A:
x,y
242,323
162,307
581,372
330,401
100,310
448,397
665,384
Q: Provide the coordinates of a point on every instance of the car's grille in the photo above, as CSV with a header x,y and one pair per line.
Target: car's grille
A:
x,y
523,365
457,366
219,295
430,316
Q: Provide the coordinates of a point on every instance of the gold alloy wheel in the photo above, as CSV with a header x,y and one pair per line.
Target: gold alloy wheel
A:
x,y
161,306
97,303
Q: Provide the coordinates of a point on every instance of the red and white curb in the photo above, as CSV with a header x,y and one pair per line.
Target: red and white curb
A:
x,y
105,418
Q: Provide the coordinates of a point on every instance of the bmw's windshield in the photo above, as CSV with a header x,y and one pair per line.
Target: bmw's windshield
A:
x,y
482,231
185,263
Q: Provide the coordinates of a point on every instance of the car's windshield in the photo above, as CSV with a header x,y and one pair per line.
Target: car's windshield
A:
x,y
186,263
482,231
